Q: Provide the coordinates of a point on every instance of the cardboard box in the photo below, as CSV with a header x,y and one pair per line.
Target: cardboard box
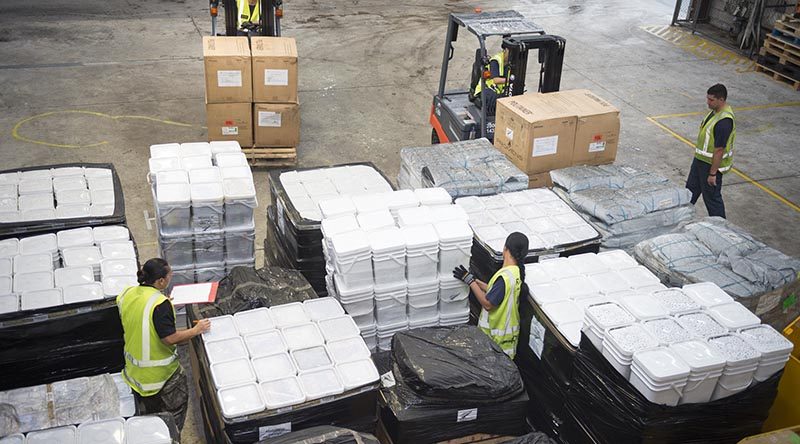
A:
x,y
276,124
597,133
535,131
228,68
230,121
540,180
274,69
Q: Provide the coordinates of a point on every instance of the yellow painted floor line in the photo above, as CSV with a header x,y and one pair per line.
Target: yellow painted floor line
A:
x,y
700,47
738,172
737,109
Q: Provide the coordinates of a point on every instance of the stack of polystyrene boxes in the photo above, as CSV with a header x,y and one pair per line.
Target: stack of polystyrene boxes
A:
x,y
204,198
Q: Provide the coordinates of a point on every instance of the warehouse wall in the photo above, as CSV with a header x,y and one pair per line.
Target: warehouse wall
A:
x,y
721,13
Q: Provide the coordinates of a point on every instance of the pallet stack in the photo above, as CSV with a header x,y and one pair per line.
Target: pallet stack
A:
x,y
251,96
780,55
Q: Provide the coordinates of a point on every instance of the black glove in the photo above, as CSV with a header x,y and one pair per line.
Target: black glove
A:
x,y
463,275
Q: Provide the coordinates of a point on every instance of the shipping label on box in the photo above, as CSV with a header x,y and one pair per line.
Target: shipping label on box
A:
x,y
230,121
276,124
274,69
228,70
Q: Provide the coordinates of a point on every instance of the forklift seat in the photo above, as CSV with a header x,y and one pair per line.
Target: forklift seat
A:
x,y
477,72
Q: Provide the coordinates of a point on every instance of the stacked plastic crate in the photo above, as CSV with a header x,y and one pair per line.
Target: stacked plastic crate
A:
x,y
205,199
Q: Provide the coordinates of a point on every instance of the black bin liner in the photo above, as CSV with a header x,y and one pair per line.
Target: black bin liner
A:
x,y
312,267
458,363
16,229
323,435
58,343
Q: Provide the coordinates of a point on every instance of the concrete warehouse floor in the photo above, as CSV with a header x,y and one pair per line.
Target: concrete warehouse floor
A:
x,y
100,81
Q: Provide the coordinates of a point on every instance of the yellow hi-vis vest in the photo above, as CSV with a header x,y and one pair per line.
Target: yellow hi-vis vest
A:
x,y
243,6
490,81
704,148
149,363
502,323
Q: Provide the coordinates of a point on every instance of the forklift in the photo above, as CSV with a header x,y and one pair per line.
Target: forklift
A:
x,y
455,115
270,14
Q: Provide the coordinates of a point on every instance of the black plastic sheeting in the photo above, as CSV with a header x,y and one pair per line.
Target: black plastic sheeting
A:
x,y
246,288
324,435
312,266
82,340
461,363
532,438
15,229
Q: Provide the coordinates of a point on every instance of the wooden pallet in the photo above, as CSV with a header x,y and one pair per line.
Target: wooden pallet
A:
x,y
795,84
783,57
784,47
788,25
270,157
478,438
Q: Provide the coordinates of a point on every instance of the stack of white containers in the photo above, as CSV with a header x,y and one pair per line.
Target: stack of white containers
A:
x,y
57,193
97,263
134,430
205,200
390,258
285,355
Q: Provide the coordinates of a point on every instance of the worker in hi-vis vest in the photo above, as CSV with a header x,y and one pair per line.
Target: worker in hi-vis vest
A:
x,y
249,15
495,80
713,152
499,298
151,368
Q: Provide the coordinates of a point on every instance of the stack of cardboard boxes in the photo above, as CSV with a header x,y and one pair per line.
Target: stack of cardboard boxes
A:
x,y
544,132
251,94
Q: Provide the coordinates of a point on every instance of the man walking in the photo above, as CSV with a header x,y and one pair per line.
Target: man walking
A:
x,y
713,152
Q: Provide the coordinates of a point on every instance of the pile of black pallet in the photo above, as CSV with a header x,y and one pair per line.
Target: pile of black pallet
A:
x,y
68,341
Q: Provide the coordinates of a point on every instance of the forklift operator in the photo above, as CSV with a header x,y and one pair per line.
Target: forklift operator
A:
x,y
495,82
249,11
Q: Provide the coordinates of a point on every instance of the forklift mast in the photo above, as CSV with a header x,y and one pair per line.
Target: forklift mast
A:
x,y
270,14
551,59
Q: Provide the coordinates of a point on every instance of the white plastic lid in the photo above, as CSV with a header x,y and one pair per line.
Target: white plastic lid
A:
x,y
336,329
19,438
366,203
699,356
114,285
471,204
402,199
701,324
195,162
195,149
13,177
558,268
110,233
567,220
9,247
118,250
320,383
339,225
563,312
265,343
273,367
146,430
78,237
108,431
222,327
735,349
323,308
69,276
638,277
707,294
40,173
572,332
433,196
203,175
347,350
24,282
67,183
84,292
38,201
37,215
283,393
240,400
442,213
101,182
608,315
35,186
311,358
231,373
172,176
337,206
173,193
548,293
239,189
453,231
253,321
116,267
208,192
609,282
388,240
45,243
58,435
302,336
97,172
375,220
766,340
226,350
224,146
676,301
233,172
164,150
6,266
540,195
644,307
231,159
73,211
577,287
289,314
67,171
630,338
101,210
587,263
414,216
32,263
420,236
9,303
163,164
661,365
350,243
617,259
734,316
357,373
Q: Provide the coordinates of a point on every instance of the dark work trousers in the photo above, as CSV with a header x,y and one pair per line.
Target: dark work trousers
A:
x,y
697,183
173,398
489,96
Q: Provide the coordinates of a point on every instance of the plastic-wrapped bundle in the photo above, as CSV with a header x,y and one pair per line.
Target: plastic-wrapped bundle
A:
x,y
468,168
323,435
714,250
580,178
